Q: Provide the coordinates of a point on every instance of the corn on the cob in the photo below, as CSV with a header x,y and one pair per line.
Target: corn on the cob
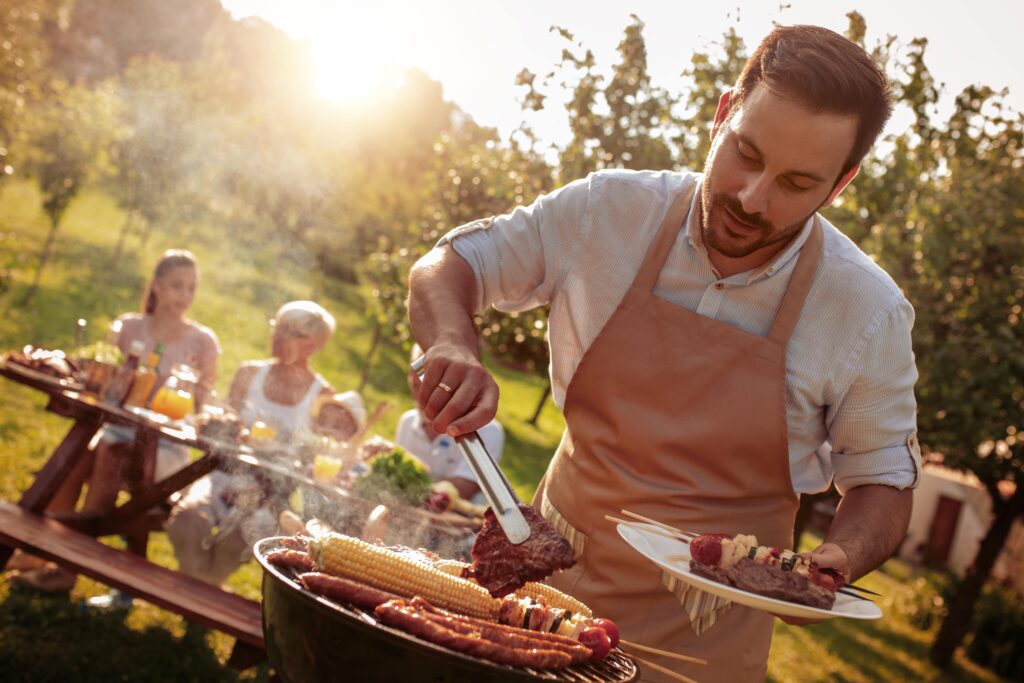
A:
x,y
385,569
533,589
453,567
553,597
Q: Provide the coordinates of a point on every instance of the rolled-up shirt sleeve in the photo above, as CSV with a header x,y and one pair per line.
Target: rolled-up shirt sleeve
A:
x,y
519,258
873,430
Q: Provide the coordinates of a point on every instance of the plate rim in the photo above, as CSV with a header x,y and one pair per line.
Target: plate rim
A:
x,y
726,592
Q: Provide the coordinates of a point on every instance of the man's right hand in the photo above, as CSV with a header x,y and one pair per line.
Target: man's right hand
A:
x,y
457,393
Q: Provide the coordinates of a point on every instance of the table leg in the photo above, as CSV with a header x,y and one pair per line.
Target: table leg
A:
x,y
146,444
155,495
57,468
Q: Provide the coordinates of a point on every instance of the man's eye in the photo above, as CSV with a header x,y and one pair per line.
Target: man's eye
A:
x,y
746,154
795,187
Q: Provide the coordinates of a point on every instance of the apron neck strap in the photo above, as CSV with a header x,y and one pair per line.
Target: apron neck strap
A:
x,y
800,283
661,245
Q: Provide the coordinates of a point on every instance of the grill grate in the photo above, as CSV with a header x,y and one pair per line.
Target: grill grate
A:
x,y
617,667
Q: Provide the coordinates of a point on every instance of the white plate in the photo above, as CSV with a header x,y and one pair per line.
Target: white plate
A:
x,y
674,557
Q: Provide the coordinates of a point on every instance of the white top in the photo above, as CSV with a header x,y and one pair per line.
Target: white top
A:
x,y
440,453
850,366
285,419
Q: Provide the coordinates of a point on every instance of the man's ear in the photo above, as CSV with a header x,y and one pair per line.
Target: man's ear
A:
x,y
722,113
841,185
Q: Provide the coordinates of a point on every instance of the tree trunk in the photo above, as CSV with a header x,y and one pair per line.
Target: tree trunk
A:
x,y
804,512
122,236
44,257
540,403
147,230
368,361
958,621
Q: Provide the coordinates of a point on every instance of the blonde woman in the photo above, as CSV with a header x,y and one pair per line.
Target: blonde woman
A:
x,y
279,392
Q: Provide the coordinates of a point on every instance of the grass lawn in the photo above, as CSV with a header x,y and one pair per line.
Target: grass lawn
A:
x,y
243,282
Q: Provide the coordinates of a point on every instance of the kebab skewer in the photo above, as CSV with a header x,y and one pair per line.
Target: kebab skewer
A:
x,y
782,574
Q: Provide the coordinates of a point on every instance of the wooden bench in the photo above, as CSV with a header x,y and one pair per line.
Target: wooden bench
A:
x,y
192,598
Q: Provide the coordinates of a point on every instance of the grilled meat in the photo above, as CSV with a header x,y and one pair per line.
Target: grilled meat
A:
x,y
501,567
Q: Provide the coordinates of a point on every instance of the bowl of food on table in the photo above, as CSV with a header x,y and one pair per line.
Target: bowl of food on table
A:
x,y
98,364
48,366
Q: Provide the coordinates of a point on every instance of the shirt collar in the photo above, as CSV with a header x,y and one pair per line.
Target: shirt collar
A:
x,y
784,257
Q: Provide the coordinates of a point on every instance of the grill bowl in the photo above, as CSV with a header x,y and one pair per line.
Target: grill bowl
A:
x,y
311,639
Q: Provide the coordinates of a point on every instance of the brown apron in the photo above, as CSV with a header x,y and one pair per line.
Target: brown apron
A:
x,y
681,418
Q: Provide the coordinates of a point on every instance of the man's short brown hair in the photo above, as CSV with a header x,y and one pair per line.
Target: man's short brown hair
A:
x,y
824,71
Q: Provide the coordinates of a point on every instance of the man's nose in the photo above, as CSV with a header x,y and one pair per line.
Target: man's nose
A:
x,y
754,195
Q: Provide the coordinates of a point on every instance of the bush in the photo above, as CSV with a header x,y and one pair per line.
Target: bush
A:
x,y
999,632
925,605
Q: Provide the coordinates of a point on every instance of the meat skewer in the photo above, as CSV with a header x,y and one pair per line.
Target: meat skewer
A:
x,y
687,536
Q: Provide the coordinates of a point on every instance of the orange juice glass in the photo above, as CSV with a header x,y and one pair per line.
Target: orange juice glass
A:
x,y
174,403
325,467
262,432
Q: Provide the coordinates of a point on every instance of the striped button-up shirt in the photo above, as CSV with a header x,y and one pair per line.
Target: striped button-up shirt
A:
x,y
850,369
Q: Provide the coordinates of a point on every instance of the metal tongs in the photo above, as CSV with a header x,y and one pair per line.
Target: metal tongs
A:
x,y
496,489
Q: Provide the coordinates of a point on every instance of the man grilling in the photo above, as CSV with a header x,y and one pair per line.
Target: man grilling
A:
x,y
708,332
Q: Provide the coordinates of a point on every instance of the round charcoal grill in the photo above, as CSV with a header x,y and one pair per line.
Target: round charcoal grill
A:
x,y
311,639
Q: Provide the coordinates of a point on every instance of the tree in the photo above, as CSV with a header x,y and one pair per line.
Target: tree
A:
x,y
69,135
471,175
968,259
24,63
942,214
624,124
164,141
707,77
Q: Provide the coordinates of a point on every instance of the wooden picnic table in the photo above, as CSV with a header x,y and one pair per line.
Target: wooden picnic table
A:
x,y
69,539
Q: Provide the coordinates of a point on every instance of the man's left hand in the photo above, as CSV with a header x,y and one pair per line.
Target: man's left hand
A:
x,y
830,556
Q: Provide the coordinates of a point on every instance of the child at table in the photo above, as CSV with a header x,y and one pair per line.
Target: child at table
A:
x,y
280,393
161,322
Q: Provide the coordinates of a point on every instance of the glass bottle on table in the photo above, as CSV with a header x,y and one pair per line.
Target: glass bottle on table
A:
x,y
118,388
145,382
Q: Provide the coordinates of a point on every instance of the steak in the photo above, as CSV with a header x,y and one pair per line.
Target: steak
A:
x,y
769,581
502,568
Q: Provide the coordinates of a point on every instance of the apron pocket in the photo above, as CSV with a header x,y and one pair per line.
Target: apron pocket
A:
x,y
702,608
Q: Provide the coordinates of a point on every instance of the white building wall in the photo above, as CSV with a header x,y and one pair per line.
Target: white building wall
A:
x,y
972,523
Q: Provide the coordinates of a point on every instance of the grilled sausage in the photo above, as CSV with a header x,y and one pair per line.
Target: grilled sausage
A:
x,y
538,635
401,615
291,559
500,634
297,542
343,590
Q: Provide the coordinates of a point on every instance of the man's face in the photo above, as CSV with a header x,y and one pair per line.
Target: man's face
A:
x,y
773,163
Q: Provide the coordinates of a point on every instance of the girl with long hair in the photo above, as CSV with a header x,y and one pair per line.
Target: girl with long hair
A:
x,y
161,323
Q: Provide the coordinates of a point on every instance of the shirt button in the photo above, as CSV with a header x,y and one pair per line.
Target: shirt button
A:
x,y
719,285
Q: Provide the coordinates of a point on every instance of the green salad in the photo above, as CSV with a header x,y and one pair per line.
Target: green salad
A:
x,y
394,477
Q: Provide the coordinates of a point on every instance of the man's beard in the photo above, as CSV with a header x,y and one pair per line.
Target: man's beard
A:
x,y
717,204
